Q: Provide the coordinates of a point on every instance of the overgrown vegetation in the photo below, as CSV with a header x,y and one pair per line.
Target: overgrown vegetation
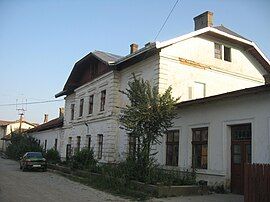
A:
x,y
20,144
52,156
146,119
84,159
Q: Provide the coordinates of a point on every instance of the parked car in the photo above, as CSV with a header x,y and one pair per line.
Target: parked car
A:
x,y
32,160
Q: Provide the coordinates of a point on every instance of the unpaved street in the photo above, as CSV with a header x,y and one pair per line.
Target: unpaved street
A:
x,y
18,186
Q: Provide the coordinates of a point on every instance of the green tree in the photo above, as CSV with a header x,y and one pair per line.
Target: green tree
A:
x,y
146,119
20,144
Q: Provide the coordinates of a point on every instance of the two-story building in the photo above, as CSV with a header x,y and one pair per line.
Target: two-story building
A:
x,y
210,61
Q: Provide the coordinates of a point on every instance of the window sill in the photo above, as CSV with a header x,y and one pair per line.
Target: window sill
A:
x,y
101,113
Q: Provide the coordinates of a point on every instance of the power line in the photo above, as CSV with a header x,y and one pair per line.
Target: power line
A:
x,y
166,19
30,103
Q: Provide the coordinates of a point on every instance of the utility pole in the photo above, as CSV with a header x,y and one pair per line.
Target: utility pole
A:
x,y
21,111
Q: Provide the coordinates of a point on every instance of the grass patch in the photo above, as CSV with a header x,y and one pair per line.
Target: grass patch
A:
x,y
111,185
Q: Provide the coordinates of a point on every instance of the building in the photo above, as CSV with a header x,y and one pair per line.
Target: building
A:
x,y
50,133
203,66
216,135
7,127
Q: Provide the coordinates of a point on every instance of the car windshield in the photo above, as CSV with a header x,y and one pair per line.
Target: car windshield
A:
x,y
34,155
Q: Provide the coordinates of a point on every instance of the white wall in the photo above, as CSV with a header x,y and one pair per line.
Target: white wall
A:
x,y
217,116
219,76
50,136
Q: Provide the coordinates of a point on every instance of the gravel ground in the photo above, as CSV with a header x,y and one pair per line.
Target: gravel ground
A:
x,y
205,198
18,186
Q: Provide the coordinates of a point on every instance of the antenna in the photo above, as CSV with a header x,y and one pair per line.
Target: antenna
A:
x,y
21,108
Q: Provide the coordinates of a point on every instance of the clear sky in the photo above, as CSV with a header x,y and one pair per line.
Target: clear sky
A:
x,y
41,40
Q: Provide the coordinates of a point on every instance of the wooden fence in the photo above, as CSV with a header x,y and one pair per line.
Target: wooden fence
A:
x,y
257,183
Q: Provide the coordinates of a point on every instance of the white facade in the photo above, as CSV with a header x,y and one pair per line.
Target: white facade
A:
x,y
48,138
187,64
219,116
6,129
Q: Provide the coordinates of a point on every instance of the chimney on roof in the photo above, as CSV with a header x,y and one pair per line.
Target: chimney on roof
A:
x,y
61,112
133,47
203,20
46,116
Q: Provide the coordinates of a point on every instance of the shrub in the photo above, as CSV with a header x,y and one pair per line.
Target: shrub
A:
x,y
52,156
84,159
20,144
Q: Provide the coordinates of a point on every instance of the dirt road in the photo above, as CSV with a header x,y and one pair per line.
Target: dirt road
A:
x,y
18,186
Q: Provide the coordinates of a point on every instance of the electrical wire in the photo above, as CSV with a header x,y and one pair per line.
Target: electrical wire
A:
x,y
30,103
166,19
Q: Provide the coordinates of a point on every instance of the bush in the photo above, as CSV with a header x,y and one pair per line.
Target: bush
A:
x,y
52,156
20,144
84,159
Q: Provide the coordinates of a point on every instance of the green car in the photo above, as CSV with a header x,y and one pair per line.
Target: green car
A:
x,y
33,160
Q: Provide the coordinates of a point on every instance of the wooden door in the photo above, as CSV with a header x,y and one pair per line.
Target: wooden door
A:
x,y
240,154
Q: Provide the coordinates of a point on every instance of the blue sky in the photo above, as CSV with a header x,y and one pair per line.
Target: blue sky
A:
x,y
41,40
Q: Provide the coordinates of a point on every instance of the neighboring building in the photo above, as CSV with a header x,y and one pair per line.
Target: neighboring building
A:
x,y
202,66
50,133
218,134
7,127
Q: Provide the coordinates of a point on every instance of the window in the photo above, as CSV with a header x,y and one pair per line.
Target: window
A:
x,y
218,51
227,54
78,143
81,107
219,55
199,90
72,111
88,138
45,145
199,147
102,100
132,146
91,102
55,144
100,144
39,142
172,148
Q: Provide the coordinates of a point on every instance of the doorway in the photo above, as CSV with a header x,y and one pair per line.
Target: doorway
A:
x,y
240,154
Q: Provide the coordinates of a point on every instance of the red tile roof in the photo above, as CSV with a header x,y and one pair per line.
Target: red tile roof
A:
x,y
55,123
5,123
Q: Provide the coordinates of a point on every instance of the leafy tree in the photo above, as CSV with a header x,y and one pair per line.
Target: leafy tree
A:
x,y
20,144
146,119
52,156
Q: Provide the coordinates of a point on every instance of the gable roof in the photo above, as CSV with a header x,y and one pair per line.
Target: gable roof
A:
x,y
118,62
228,31
106,57
54,123
5,123
226,34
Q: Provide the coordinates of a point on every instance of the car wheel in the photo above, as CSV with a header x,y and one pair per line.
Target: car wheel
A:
x,y
23,168
44,169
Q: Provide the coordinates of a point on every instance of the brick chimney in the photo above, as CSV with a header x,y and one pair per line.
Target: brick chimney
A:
x,y
46,116
203,20
61,112
133,47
